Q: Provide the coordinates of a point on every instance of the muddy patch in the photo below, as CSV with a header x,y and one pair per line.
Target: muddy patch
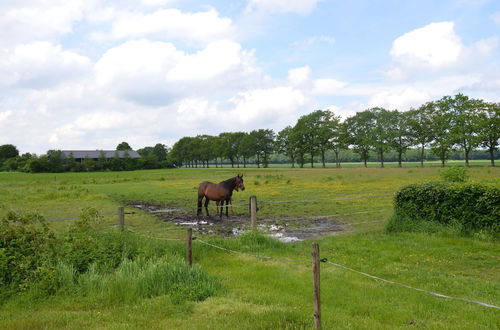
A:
x,y
286,229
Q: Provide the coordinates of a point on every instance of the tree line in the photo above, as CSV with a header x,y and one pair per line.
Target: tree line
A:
x,y
436,129
54,161
441,127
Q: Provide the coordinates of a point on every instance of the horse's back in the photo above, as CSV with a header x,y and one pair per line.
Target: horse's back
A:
x,y
202,187
211,190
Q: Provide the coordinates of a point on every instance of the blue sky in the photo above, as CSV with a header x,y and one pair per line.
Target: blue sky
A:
x,y
88,74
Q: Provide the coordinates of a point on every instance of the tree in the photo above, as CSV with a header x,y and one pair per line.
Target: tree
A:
x,y
123,146
285,144
488,128
230,142
205,149
399,133
359,132
338,139
321,125
247,147
380,133
298,141
420,122
441,120
465,123
309,127
8,151
161,151
264,144
55,161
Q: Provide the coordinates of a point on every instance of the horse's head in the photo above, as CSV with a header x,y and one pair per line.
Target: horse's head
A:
x,y
239,183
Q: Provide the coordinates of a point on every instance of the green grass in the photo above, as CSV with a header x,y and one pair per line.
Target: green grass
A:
x,y
258,293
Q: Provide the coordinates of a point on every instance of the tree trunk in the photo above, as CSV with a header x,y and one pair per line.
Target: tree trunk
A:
x,y
323,158
492,157
422,155
400,159
312,159
382,159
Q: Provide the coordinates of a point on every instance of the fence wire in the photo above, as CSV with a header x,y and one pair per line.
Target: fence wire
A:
x,y
360,273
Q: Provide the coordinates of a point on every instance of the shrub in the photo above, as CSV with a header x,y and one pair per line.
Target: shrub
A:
x,y
455,174
27,248
471,206
114,266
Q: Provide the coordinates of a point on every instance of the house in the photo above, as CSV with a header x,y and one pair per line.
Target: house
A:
x,y
80,155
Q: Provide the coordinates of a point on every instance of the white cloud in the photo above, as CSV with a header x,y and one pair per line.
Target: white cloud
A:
x,y
155,3
168,24
313,40
31,20
435,46
216,59
302,7
267,107
328,87
437,50
496,17
4,115
256,108
41,65
157,73
298,76
400,98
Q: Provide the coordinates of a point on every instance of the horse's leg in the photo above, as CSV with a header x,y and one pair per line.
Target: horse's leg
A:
x,y
199,212
206,205
227,206
218,204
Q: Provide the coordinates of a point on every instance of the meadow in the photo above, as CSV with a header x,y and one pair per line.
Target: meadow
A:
x,y
268,293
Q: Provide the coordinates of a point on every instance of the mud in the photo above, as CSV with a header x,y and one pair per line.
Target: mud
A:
x,y
286,229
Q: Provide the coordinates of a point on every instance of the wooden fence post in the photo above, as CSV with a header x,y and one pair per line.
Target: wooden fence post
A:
x,y
189,251
121,217
316,285
253,212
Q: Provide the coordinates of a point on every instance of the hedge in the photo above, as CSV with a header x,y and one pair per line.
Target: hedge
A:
x,y
474,206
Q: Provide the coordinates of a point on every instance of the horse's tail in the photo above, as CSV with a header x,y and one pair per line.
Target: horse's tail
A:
x,y
201,189
201,194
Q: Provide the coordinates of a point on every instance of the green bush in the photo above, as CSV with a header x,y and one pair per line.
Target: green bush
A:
x,y
472,207
27,248
115,267
455,174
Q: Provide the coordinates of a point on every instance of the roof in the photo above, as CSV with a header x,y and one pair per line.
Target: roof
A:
x,y
94,154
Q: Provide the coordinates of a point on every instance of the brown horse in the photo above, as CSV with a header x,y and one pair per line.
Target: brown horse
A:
x,y
219,192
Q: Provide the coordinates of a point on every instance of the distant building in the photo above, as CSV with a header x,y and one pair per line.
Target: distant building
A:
x,y
80,155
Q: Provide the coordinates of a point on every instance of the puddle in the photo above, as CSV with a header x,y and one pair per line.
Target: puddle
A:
x,y
286,229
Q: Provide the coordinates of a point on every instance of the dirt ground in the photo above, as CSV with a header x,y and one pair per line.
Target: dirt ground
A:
x,y
285,228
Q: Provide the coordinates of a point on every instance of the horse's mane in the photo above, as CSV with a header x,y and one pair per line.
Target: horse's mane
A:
x,y
229,183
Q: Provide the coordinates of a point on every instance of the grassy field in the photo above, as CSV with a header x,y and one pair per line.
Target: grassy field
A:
x,y
271,293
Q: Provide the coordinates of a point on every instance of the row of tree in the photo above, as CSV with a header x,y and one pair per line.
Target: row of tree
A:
x,y
442,126
54,160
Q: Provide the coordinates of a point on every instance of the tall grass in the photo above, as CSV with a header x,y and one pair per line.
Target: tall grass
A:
x,y
140,278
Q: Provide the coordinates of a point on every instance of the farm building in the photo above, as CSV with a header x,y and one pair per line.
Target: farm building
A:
x,y
80,155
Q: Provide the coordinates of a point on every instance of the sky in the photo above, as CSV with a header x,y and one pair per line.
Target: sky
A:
x,y
89,74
